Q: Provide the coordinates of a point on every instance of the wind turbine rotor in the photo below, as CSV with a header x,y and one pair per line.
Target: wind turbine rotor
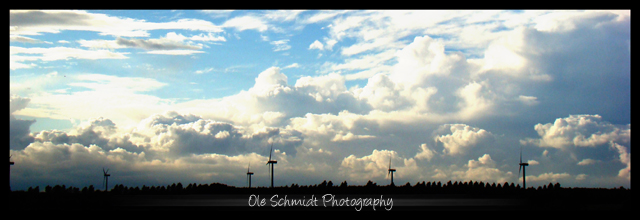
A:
x,y
520,154
389,169
519,169
520,164
271,150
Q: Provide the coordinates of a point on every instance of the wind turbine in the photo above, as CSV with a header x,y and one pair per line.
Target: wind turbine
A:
x,y
10,164
272,162
249,175
522,166
391,171
105,180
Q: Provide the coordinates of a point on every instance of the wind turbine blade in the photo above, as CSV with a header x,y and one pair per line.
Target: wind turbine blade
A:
x,y
519,168
271,150
520,154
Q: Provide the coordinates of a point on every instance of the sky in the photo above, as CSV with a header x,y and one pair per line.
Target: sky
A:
x,y
195,96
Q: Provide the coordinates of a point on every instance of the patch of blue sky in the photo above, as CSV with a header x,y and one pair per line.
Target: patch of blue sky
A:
x,y
46,124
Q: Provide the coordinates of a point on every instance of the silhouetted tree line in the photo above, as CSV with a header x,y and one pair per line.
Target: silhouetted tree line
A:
x,y
468,188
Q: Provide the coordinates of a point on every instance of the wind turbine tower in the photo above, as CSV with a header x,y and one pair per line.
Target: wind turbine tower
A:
x,y
10,164
391,171
105,180
272,162
249,175
522,166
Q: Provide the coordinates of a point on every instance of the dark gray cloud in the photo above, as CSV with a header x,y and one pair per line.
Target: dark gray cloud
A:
x,y
19,133
24,40
589,69
169,118
40,18
155,44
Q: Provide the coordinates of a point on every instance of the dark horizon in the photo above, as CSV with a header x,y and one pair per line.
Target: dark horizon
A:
x,y
325,184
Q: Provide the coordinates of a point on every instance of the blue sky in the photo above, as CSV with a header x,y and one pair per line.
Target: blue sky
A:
x,y
195,96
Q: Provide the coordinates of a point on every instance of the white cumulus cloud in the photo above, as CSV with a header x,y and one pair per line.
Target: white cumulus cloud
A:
x,y
579,131
459,138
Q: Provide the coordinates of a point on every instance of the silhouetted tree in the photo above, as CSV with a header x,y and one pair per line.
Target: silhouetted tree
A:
x,y
179,186
370,184
343,184
323,184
